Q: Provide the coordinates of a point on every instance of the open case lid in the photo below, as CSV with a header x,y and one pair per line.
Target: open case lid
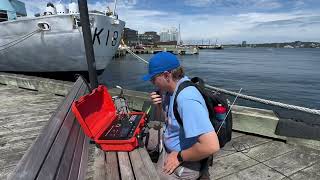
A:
x,y
94,111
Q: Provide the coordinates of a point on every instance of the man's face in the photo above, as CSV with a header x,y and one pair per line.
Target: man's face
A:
x,y
159,81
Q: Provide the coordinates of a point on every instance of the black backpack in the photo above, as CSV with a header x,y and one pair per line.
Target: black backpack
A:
x,y
212,100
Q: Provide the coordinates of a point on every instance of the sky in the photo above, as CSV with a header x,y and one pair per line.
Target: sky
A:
x,y
224,21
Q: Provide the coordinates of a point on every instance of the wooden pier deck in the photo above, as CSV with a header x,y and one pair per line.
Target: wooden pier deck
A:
x,y
24,112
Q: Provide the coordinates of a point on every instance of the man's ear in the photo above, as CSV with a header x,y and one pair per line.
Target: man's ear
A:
x,y
167,75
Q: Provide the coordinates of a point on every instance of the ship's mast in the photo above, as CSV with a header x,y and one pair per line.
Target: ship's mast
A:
x,y
114,8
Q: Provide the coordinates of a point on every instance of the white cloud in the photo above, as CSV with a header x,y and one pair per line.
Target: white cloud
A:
x,y
251,26
235,28
198,3
34,7
261,4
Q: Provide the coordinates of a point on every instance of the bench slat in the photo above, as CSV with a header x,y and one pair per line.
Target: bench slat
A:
x,y
52,161
99,165
125,166
138,165
84,159
54,157
112,170
74,171
64,167
153,174
31,162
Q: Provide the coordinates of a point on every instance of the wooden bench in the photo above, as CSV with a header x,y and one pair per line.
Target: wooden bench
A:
x,y
124,165
61,149
136,164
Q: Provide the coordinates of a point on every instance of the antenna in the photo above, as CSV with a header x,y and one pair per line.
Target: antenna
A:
x,y
229,111
114,8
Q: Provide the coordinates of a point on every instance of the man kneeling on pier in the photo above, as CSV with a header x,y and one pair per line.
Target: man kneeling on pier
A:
x,y
183,146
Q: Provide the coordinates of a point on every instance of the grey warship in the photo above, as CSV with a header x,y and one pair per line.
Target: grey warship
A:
x,y
53,41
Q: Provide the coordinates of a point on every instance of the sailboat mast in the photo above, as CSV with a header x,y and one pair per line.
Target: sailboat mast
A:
x,y
179,37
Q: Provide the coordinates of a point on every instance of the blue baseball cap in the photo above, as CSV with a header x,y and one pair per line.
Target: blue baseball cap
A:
x,y
161,62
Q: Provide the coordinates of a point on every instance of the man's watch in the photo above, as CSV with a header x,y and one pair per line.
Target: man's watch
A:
x,y
179,157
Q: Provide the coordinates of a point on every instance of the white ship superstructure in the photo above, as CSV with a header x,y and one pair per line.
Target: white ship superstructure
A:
x,y
53,42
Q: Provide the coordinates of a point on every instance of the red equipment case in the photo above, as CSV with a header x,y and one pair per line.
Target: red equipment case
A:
x,y
97,116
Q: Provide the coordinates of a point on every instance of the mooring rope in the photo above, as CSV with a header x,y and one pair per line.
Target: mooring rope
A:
x,y
251,98
17,41
135,55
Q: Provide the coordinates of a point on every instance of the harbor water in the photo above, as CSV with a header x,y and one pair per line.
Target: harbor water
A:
x,y
290,76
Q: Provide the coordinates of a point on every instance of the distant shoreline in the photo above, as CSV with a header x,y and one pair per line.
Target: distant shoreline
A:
x,y
295,44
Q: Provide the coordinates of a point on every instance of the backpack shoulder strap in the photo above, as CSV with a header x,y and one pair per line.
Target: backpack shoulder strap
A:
x,y
175,104
198,81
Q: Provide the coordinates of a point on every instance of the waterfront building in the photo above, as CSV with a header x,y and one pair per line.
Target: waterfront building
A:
x,y
10,10
130,37
149,38
171,34
244,44
167,44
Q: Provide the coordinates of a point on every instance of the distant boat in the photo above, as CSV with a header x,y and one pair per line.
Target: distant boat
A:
x,y
288,46
217,46
53,41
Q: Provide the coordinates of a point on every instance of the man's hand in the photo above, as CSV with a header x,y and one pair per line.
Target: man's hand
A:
x,y
155,98
171,163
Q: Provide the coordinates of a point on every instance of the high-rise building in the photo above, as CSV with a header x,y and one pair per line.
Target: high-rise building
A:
x,y
171,34
244,44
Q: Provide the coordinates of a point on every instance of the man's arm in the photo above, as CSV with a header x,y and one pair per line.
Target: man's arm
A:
x,y
207,144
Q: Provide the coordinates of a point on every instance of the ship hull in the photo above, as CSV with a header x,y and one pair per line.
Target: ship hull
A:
x,y
60,49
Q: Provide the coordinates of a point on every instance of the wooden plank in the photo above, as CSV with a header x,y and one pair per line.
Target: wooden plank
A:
x,y
51,163
294,161
83,166
35,83
227,165
243,143
91,158
31,162
257,172
112,166
125,166
76,160
99,165
139,169
269,150
237,134
4,171
310,173
148,164
64,166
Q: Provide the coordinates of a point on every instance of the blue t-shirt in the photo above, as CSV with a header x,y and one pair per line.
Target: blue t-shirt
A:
x,y
194,114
